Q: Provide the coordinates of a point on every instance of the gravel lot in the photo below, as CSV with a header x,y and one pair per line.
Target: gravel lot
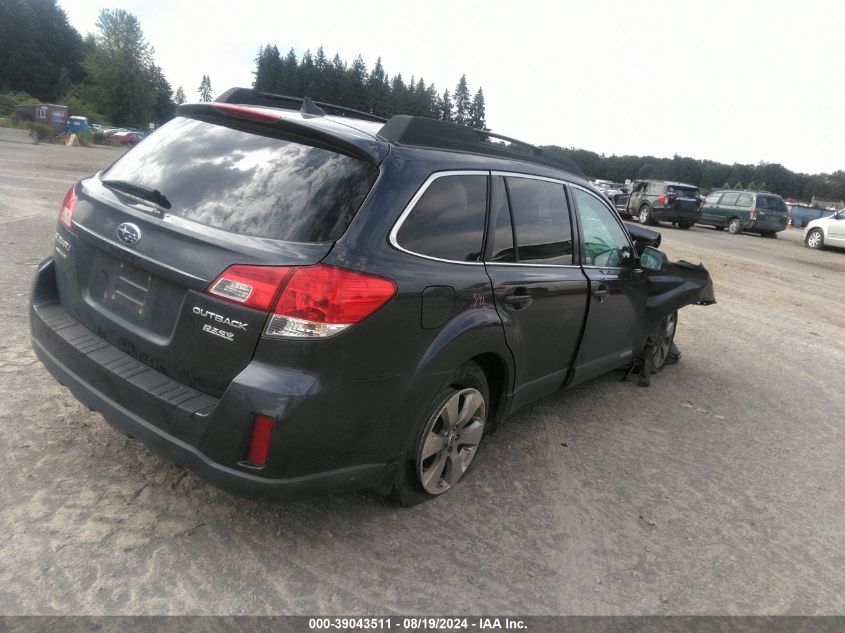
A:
x,y
718,490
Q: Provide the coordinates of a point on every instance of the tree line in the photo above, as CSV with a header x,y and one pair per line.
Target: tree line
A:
x,y
709,175
110,75
353,85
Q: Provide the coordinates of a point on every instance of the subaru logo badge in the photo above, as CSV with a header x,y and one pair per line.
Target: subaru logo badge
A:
x,y
129,233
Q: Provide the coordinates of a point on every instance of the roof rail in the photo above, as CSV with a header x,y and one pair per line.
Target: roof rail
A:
x,y
433,133
250,96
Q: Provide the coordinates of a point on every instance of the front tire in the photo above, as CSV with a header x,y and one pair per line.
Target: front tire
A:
x,y
815,239
662,342
447,442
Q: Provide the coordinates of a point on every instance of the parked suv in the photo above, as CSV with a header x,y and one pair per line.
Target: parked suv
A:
x,y
653,201
757,211
291,303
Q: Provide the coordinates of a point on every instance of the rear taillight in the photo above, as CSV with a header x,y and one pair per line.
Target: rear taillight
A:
x,y
253,286
68,206
320,301
753,213
664,199
313,301
259,442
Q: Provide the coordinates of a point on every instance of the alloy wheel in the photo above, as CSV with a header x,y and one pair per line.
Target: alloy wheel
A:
x,y
814,239
661,352
451,440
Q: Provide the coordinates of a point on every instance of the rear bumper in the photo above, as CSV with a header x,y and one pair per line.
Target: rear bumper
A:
x,y
675,215
197,431
759,226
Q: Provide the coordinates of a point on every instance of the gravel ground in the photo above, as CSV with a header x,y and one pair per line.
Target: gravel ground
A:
x,y
718,490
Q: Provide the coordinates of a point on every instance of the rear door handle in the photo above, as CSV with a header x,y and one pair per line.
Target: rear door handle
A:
x,y
602,292
518,302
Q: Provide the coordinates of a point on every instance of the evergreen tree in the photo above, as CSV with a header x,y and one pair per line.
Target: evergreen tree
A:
x,y
446,110
398,95
356,83
180,98
477,111
462,102
164,107
205,88
378,92
289,83
306,74
268,69
317,87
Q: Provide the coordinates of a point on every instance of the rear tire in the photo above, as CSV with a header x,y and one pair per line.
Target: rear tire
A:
x,y
685,225
734,226
815,239
444,446
645,216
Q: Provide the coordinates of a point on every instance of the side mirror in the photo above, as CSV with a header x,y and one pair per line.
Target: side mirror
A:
x,y
642,237
653,259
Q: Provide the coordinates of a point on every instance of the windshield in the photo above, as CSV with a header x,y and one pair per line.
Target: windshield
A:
x,y
247,183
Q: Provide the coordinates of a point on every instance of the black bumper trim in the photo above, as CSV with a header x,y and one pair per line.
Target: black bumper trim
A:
x,y
182,453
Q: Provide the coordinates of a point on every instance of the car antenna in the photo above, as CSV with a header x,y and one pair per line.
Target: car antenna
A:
x,y
310,109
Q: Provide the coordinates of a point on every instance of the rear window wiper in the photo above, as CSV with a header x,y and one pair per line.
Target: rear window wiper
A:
x,y
152,195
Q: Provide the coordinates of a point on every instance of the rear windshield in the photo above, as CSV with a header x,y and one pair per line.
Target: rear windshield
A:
x,y
685,192
249,184
771,203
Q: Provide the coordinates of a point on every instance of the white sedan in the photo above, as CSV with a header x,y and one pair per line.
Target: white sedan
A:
x,y
828,231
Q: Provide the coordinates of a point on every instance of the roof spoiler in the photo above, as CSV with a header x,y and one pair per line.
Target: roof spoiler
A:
x,y
425,132
250,96
370,150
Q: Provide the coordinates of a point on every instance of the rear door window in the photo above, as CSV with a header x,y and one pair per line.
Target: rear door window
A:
x,y
744,200
713,198
542,227
247,183
729,199
447,222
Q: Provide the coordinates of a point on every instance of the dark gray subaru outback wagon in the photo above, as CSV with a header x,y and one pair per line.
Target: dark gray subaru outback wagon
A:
x,y
291,299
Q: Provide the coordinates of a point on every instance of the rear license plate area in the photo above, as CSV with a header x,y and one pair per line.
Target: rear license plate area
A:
x,y
134,294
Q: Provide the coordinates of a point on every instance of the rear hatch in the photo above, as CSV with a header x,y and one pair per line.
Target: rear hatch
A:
x,y
771,211
203,193
684,198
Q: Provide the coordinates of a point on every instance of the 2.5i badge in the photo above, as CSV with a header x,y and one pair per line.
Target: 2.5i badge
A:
x,y
218,332
220,319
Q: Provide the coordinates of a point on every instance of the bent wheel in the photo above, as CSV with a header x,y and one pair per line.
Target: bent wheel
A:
x,y
664,338
441,452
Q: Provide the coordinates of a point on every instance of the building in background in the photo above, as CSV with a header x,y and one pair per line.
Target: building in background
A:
x,y
49,114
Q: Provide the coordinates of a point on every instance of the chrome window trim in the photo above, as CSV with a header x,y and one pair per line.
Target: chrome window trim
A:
x,y
410,207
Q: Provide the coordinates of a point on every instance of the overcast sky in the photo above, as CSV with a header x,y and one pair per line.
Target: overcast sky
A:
x,y
730,81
